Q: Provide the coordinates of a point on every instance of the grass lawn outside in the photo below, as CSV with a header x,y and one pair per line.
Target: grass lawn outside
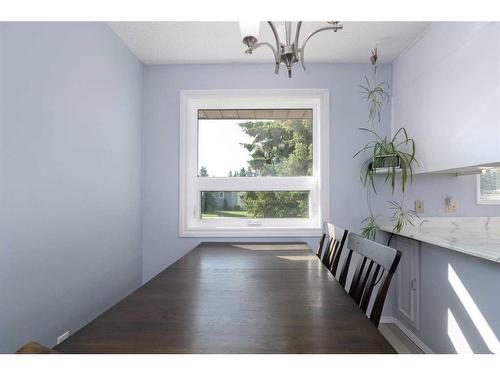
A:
x,y
222,213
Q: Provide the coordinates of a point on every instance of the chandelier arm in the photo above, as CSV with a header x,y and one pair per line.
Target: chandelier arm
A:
x,y
260,44
334,27
297,36
276,37
275,53
277,50
288,32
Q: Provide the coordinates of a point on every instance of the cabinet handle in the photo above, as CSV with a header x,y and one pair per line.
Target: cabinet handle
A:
x,y
413,284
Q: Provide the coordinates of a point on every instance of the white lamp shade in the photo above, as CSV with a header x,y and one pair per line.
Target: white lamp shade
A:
x,y
249,28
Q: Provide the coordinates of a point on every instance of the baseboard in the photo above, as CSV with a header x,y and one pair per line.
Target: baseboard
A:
x,y
407,332
411,336
386,319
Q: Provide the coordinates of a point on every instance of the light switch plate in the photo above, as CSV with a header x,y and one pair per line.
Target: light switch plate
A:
x,y
450,205
419,207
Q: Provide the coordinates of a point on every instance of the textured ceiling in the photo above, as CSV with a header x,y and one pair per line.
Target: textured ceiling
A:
x,y
220,42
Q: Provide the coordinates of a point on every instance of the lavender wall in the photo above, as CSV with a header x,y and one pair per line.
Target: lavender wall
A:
x,y
161,244
70,131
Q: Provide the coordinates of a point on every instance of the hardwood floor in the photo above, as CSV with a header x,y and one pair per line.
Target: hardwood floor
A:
x,y
230,298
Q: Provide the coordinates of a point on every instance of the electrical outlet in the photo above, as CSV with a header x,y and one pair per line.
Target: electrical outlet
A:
x,y
419,207
63,337
450,205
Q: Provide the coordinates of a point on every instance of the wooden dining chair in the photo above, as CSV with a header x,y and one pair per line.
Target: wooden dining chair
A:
x,y
337,238
331,245
324,235
376,264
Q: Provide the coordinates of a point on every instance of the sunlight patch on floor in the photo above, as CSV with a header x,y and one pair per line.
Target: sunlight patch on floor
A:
x,y
297,257
277,246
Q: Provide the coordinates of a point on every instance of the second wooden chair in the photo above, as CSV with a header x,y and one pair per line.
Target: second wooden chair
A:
x,y
376,263
330,254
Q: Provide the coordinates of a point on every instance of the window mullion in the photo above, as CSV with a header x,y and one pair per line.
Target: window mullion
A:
x,y
258,183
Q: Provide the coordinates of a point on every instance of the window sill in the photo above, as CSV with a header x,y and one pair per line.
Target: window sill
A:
x,y
250,232
489,202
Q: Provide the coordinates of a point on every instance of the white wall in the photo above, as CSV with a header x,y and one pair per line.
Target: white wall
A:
x,y
446,93
70,136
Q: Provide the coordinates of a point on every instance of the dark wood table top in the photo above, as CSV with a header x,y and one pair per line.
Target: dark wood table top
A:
x,y
235,298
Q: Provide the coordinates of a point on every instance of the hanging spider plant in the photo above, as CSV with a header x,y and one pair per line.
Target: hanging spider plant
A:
x,y
401,217
392,156
370,227
375,94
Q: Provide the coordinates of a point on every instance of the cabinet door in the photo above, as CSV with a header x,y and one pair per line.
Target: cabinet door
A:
x,y
408,282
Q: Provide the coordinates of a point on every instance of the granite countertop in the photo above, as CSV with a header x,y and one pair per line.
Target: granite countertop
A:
x,y
476,236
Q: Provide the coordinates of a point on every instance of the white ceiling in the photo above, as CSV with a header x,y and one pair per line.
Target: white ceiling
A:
x,y
220,42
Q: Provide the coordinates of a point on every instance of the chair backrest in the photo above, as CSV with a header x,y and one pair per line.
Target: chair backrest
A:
x,y
324,235
334,238
333,253
376,264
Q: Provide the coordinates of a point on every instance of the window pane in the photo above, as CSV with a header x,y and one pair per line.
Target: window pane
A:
x,y
250,143
255,204
490,184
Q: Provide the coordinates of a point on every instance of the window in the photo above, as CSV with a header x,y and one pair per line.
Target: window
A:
x,y
255,204
488,186
253,163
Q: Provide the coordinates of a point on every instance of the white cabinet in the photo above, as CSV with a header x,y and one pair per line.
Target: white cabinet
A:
x,y
446,93
408,282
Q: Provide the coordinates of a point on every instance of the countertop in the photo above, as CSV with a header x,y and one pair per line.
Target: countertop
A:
x,y
476,236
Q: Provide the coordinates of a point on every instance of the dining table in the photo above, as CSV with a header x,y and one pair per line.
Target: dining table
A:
x,y
227,297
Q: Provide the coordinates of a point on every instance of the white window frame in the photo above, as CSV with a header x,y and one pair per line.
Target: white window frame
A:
x,y
478,194
190,185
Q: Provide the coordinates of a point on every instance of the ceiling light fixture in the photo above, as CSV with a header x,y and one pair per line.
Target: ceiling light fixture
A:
x,y
287,52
